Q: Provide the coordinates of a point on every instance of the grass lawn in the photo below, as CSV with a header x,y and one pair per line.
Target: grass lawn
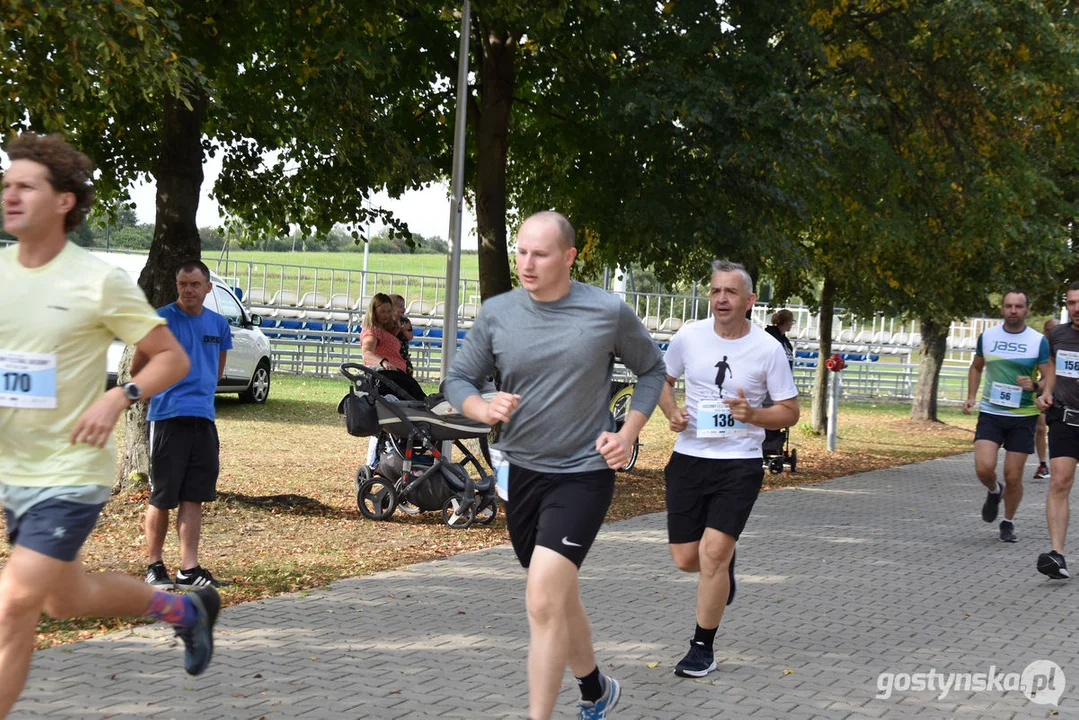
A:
x,y
286,518
413,276
407,263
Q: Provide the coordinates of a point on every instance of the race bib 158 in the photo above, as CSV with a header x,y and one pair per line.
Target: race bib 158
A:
x,y
1067,363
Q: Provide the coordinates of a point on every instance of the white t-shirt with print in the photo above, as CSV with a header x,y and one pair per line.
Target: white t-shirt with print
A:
x,y
716,369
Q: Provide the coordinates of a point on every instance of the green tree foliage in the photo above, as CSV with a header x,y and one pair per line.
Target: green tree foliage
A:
x,y
670,133
944,175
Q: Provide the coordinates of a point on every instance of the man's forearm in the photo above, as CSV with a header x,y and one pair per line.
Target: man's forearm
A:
x,y
475,407
667,404
635,422
779,416
974,378
162,371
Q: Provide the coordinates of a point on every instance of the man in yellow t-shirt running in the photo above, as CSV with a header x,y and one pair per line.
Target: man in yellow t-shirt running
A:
x,y
62,309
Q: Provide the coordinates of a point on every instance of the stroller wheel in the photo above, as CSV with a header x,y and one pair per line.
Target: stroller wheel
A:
x,y
794,461
376,498
776,466
456,515
486,514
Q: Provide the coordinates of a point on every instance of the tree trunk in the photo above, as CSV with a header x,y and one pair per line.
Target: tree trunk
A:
x,y
176,238
492,140
820,384
934,347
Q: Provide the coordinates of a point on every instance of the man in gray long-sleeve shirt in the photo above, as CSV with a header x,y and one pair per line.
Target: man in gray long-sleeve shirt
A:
x,y
554,342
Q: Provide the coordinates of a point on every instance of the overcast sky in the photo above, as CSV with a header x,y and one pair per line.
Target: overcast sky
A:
x,y
426,211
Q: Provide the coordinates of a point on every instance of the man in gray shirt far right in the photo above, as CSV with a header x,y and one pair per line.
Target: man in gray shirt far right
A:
x,y
554,342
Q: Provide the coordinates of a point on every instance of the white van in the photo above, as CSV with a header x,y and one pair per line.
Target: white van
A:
x,y
247,365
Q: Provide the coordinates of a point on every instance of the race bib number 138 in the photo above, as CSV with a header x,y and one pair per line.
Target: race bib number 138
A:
x,y
27,380
714,420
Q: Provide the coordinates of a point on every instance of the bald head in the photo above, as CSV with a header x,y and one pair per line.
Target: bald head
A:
x,y
549,221
1049,325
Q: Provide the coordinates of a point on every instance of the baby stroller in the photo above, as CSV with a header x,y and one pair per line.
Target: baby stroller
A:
x,y
411,473
777,452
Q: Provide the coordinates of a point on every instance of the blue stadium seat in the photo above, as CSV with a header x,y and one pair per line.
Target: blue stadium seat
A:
x,y
293,326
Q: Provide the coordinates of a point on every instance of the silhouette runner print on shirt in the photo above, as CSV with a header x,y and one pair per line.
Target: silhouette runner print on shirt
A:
x,y
723,370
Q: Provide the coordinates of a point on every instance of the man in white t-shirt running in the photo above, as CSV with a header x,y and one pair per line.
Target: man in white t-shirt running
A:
x,y
716,470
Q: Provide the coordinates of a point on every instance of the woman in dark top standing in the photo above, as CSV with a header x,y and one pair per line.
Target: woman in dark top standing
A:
x,y
782,322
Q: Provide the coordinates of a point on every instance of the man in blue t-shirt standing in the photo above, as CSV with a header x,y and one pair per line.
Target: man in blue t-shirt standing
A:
x,y
183,438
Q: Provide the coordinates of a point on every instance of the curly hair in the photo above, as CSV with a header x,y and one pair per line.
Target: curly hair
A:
x,y
69,170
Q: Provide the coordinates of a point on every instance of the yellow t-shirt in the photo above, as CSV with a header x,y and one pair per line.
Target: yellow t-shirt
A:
x,y
56,324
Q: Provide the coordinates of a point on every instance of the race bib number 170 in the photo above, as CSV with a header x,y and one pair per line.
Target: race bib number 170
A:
x,y
27,380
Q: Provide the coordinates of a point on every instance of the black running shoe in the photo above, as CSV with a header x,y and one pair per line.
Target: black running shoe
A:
x,y
199,638
158,576
1007,531
1052,564
199,577
698,662
992,505
730,574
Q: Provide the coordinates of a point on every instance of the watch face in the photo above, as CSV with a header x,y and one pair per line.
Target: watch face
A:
x,y
132,392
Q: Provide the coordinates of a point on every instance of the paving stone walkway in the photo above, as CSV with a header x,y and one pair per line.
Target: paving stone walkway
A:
x,y
884,572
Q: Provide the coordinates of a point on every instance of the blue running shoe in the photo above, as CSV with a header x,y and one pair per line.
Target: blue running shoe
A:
x,y
601,708
199,638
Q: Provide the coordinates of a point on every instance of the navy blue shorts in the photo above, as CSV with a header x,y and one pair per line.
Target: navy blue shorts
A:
x,y
57,528
1014,434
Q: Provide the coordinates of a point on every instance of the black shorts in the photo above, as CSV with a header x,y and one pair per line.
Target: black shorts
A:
x,y
559,511
1063,438
706,492
183,461
1014,434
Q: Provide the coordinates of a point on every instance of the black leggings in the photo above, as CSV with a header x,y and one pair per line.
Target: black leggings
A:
x,y
405,381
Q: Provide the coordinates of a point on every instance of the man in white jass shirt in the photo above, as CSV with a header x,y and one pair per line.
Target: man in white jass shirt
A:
x,y
717,467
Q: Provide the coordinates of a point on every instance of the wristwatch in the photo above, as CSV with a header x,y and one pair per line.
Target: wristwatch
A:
x,y
132,392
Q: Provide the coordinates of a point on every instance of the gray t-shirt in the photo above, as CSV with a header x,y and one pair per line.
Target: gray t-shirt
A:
x,y
559,357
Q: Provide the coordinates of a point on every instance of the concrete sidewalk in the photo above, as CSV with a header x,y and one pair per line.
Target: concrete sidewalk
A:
x,y
883,572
